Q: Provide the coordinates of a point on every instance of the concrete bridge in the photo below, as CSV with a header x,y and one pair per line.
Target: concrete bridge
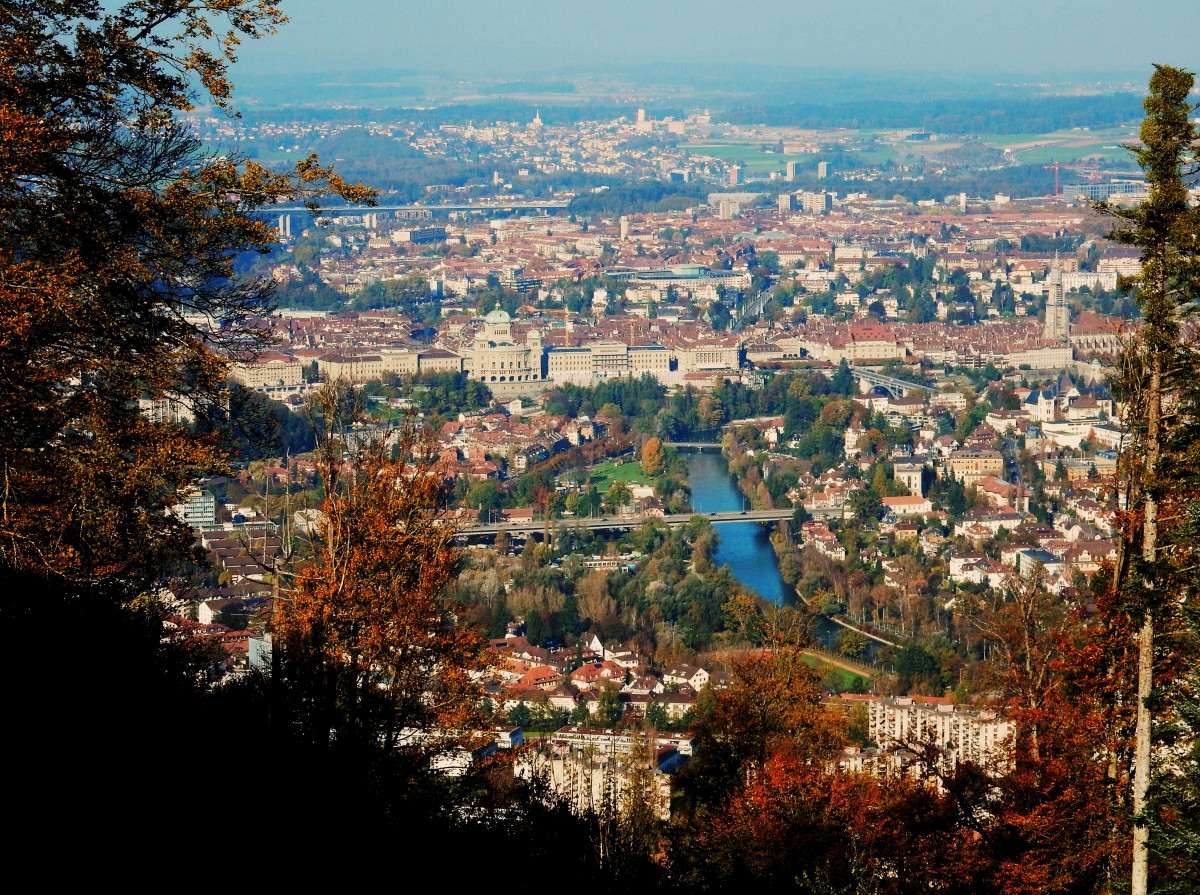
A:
x,y
897,387
601,523
540,205
700,446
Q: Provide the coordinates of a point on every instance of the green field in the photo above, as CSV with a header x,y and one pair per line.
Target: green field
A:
x,y
837,678
605,474
1066,146
748,155
1101,146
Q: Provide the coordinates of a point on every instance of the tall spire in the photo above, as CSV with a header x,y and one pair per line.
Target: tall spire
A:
x,y
1058,320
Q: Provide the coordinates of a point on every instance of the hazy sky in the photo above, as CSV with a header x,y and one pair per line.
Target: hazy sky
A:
x,y
517,36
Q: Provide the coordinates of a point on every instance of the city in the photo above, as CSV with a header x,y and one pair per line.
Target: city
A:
x,y
705,476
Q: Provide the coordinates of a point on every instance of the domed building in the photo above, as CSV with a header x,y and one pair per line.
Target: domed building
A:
x,y
506,366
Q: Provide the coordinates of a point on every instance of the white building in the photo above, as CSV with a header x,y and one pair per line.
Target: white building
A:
x,y
908,723
588,364
508,367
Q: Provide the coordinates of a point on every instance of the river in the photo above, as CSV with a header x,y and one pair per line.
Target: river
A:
x,y
744,546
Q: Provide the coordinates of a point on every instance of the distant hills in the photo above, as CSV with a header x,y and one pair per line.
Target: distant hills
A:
x,y
740,94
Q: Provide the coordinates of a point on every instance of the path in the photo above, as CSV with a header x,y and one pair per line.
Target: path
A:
x,y
842,663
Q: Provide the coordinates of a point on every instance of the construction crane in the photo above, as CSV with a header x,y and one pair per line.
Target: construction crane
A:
x,y
1055,167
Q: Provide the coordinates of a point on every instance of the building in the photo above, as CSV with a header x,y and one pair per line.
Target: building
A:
x,y
508,367
816,202
735,175
588,364
822,170
908,723
911,473
367,367
790,169
420,235
272,373
582,764
167,409
1057,325
969,466
908,505
786,203
198,509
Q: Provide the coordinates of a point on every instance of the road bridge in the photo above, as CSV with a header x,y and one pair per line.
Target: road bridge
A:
x,y
601,523
897,387
546,205
700,446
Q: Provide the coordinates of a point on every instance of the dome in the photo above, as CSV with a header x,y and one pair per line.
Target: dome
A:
x,y
496,315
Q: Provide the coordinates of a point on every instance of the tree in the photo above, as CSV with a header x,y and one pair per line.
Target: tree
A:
x,y
866,505
1154,368
520,715
652,456
371,660
620,493
608,705
117,232
852,644
656,716
1023,624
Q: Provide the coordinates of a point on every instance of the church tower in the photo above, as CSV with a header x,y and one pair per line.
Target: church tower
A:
x,y
1058,320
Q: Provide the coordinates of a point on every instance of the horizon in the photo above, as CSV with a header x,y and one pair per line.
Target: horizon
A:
x,y
523,38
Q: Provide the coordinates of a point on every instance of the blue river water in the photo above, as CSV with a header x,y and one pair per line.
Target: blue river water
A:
x,y
744,546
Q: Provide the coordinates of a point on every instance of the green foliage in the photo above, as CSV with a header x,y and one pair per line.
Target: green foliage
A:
x,y
641,197
635,397
866,505
917,670
440,396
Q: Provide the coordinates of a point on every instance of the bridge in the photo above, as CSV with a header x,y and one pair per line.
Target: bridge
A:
x,y
700,446
896,387
546,205
580,523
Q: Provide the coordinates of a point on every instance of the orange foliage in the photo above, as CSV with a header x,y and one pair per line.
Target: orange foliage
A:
x,y
799,824
367,632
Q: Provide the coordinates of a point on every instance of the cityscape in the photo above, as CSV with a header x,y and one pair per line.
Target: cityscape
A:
x,y
697,476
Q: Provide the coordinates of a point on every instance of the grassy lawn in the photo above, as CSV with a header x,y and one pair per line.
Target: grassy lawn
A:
x,y
839,678
605,474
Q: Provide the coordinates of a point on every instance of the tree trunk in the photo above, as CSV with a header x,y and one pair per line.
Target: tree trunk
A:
x,y
1141,749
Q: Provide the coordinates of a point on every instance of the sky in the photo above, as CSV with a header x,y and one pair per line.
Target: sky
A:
x,y
519,37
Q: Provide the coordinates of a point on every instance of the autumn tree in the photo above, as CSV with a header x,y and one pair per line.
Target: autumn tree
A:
x,y
770,708
372,661
117,240
1057,766
1158,369
652,456
798,827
